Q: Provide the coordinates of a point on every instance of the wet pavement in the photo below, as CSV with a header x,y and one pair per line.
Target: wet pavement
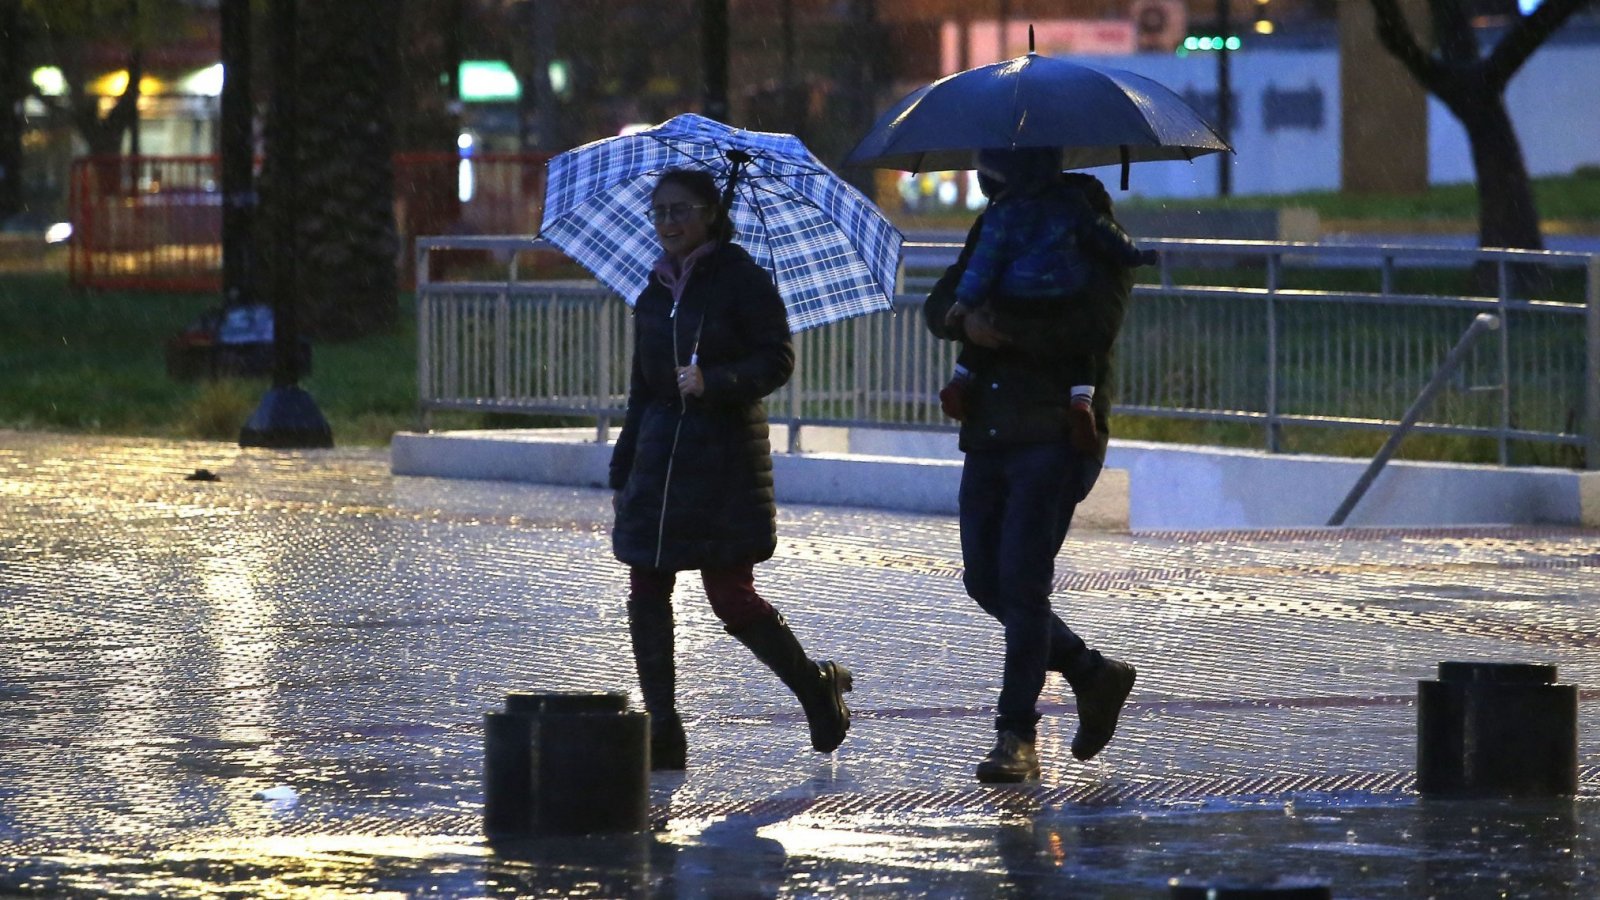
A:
x,y
273,685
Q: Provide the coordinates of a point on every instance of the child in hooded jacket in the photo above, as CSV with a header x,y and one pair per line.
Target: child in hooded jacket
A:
x,y
1042,235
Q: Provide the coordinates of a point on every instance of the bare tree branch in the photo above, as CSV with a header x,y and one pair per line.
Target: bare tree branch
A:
x,y
1525,37
1453,36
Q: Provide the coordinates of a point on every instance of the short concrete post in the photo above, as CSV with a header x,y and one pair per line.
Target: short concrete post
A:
x,y
1497,729
565,764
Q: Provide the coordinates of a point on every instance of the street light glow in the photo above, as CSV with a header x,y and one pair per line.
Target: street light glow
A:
x,y
50,81
205,82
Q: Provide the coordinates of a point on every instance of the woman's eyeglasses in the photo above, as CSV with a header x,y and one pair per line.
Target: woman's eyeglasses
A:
x,y
674,212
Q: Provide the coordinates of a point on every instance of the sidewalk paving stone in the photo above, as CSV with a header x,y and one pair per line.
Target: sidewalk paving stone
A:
x,y
308,620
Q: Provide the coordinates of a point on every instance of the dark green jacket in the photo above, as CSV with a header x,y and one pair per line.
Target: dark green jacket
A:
x,y
1021,392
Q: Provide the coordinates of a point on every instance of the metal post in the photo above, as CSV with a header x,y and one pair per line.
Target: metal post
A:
x,y
424,339
285,286
606,315
1224,98
1483,322
795,381
1502,440
287,417
237,151
1592,368
1274,430
501,371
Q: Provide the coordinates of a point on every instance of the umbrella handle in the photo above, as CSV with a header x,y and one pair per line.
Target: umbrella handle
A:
x,y
737,160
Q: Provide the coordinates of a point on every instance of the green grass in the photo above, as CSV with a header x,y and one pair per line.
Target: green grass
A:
x,y
1559,199
94,363
1562,201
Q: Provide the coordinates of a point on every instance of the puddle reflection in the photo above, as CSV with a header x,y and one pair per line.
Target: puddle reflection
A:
x,y
1394,847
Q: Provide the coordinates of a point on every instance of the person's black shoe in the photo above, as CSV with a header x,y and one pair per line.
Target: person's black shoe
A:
x,y
1012,759
1099,704
669,747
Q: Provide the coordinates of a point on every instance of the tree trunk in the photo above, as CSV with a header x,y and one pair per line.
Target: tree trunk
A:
x,y
1507,216
348,63
1473,87
13,88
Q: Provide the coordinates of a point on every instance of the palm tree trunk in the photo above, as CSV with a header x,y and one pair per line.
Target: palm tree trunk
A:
x,y
347,238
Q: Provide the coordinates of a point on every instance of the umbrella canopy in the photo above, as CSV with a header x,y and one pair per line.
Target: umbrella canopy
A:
x,y
832,252
1096,116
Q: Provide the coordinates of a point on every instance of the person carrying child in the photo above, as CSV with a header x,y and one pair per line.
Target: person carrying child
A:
x,y
1041,236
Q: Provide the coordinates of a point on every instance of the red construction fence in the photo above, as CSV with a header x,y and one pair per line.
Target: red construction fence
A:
x,y
154,223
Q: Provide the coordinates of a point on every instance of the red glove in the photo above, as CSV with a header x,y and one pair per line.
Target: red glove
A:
x,y
953,399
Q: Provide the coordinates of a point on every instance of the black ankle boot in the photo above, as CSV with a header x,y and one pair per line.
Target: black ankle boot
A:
x,y
1099,704
820,687
669,746
650,627
1012,759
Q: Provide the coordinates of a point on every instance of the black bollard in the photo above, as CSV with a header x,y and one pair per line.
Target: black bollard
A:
x,y
1497,729
533,703
565,764
507,774
1279,889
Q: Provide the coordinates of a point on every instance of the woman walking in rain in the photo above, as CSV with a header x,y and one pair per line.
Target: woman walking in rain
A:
x,y
692,469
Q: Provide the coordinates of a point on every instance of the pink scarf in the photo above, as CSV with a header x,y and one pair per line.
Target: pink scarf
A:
x,y
675,275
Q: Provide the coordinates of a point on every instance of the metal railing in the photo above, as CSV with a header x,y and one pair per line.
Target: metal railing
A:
x,y
1262,350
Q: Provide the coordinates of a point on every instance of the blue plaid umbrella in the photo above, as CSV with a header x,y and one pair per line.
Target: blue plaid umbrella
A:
x,y
831,251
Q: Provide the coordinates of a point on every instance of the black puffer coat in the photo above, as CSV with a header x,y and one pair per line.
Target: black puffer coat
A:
x,y
707,504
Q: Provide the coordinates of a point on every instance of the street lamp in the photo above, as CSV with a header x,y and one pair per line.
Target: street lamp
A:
x,y
238,157
1224,98
287,417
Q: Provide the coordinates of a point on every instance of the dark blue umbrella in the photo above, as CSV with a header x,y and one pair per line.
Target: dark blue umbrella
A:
x,y
1096,116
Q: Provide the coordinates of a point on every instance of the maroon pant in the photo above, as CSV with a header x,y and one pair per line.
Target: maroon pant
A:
x,y
732,593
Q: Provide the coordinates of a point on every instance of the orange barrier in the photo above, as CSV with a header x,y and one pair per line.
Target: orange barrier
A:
x,y
154,223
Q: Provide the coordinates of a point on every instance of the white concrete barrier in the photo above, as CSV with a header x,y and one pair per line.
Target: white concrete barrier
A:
x,y
1146,486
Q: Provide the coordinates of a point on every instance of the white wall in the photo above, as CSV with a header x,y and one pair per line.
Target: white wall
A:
x,y
1554,102
1182,487
1146,486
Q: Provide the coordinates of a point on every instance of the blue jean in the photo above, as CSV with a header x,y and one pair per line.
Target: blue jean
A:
x,y
1016,505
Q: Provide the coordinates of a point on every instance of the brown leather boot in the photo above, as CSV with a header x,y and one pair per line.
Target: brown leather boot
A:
x,y
1012,759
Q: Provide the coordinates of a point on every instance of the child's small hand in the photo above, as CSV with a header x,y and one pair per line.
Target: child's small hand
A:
x,y
957,312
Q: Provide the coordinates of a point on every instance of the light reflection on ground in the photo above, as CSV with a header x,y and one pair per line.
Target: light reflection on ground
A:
x,y
174,649
1390,847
